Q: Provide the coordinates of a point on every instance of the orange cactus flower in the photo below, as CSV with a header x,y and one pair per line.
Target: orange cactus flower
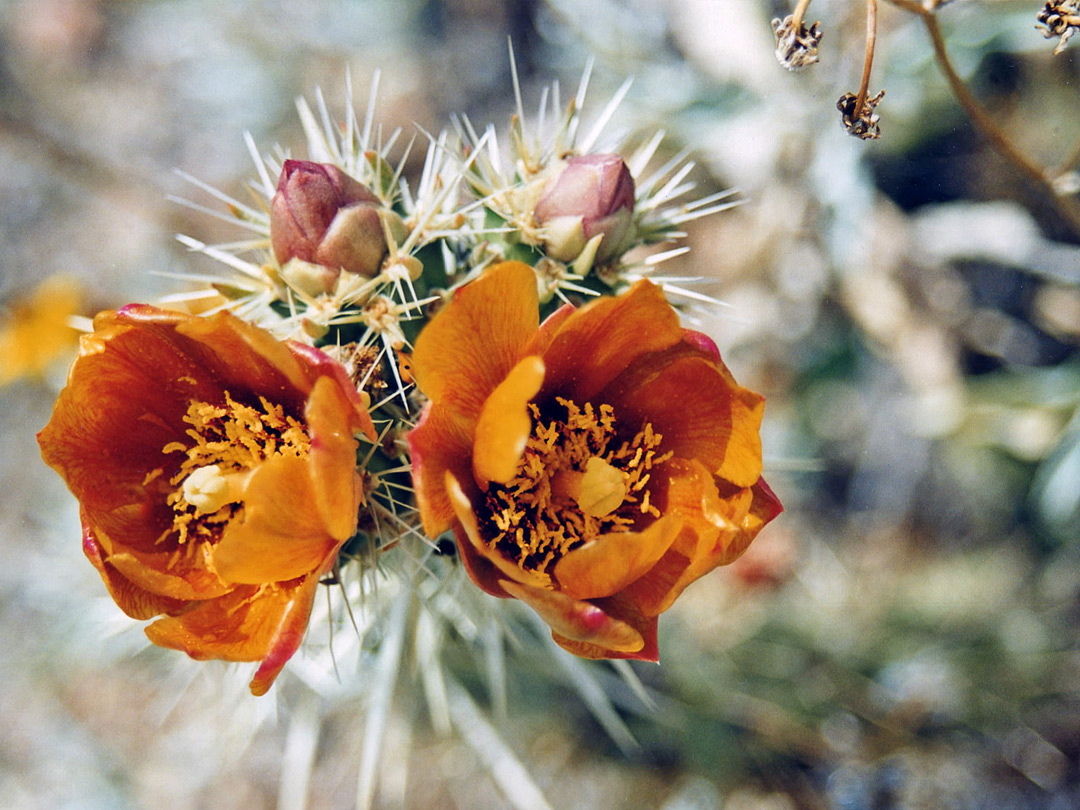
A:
x,y
216,471
591,466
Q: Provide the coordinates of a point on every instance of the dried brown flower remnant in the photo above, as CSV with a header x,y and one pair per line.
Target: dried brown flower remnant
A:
x,y
796,45
858,119
1059,18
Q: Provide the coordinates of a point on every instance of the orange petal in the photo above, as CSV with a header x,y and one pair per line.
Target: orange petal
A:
x,y
246,358
661,586
467,520
481,570
549,327
288,627
124,401
627,613
688,488
470,346
440,443
331,418
717,531
252,623
693,402
504,424
317,365
577,620
136,602
609,563
764,508
281,535
594,344
182,573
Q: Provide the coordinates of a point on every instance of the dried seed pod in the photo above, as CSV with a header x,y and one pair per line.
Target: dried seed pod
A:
x,y
796,45
860,120
1059,18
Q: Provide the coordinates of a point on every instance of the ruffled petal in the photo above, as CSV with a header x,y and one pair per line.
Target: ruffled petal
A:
x,y
549,327
281,535
576,620
335,486
136,602
655,592
692,401
440,443
124,401
180,573
626,614
253,623
245,358
717,530
480,569
612,561
504,425
591,346
470,346
317,364
288,620
764,508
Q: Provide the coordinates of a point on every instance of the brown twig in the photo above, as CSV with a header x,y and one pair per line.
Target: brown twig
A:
x,y
999,141
868,61
798,13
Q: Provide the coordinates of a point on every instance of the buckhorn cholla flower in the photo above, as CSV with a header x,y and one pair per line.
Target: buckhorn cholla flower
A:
x,y
591,466
216,471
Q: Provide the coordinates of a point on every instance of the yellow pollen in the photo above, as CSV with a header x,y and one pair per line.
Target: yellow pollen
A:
x,y
226,443
578,479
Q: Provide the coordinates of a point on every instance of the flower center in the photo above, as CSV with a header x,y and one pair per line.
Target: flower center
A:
x,y
228,442
578,479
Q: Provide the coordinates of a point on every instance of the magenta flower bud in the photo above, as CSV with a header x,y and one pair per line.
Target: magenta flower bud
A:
x,y
323,216
593,195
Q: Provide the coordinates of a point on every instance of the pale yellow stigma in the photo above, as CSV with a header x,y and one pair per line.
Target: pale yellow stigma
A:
x,y
208,489
577,480
598,491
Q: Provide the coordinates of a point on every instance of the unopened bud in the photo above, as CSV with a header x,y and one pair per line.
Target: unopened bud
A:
x,y
323,216
592,195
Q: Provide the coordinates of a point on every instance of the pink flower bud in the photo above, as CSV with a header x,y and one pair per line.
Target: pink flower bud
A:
x,y
323,216
594,194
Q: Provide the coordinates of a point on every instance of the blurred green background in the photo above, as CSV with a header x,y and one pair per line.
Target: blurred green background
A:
x,y
904,636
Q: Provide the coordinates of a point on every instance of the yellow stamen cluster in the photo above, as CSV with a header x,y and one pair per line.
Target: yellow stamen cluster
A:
x,y
228,441
576,482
